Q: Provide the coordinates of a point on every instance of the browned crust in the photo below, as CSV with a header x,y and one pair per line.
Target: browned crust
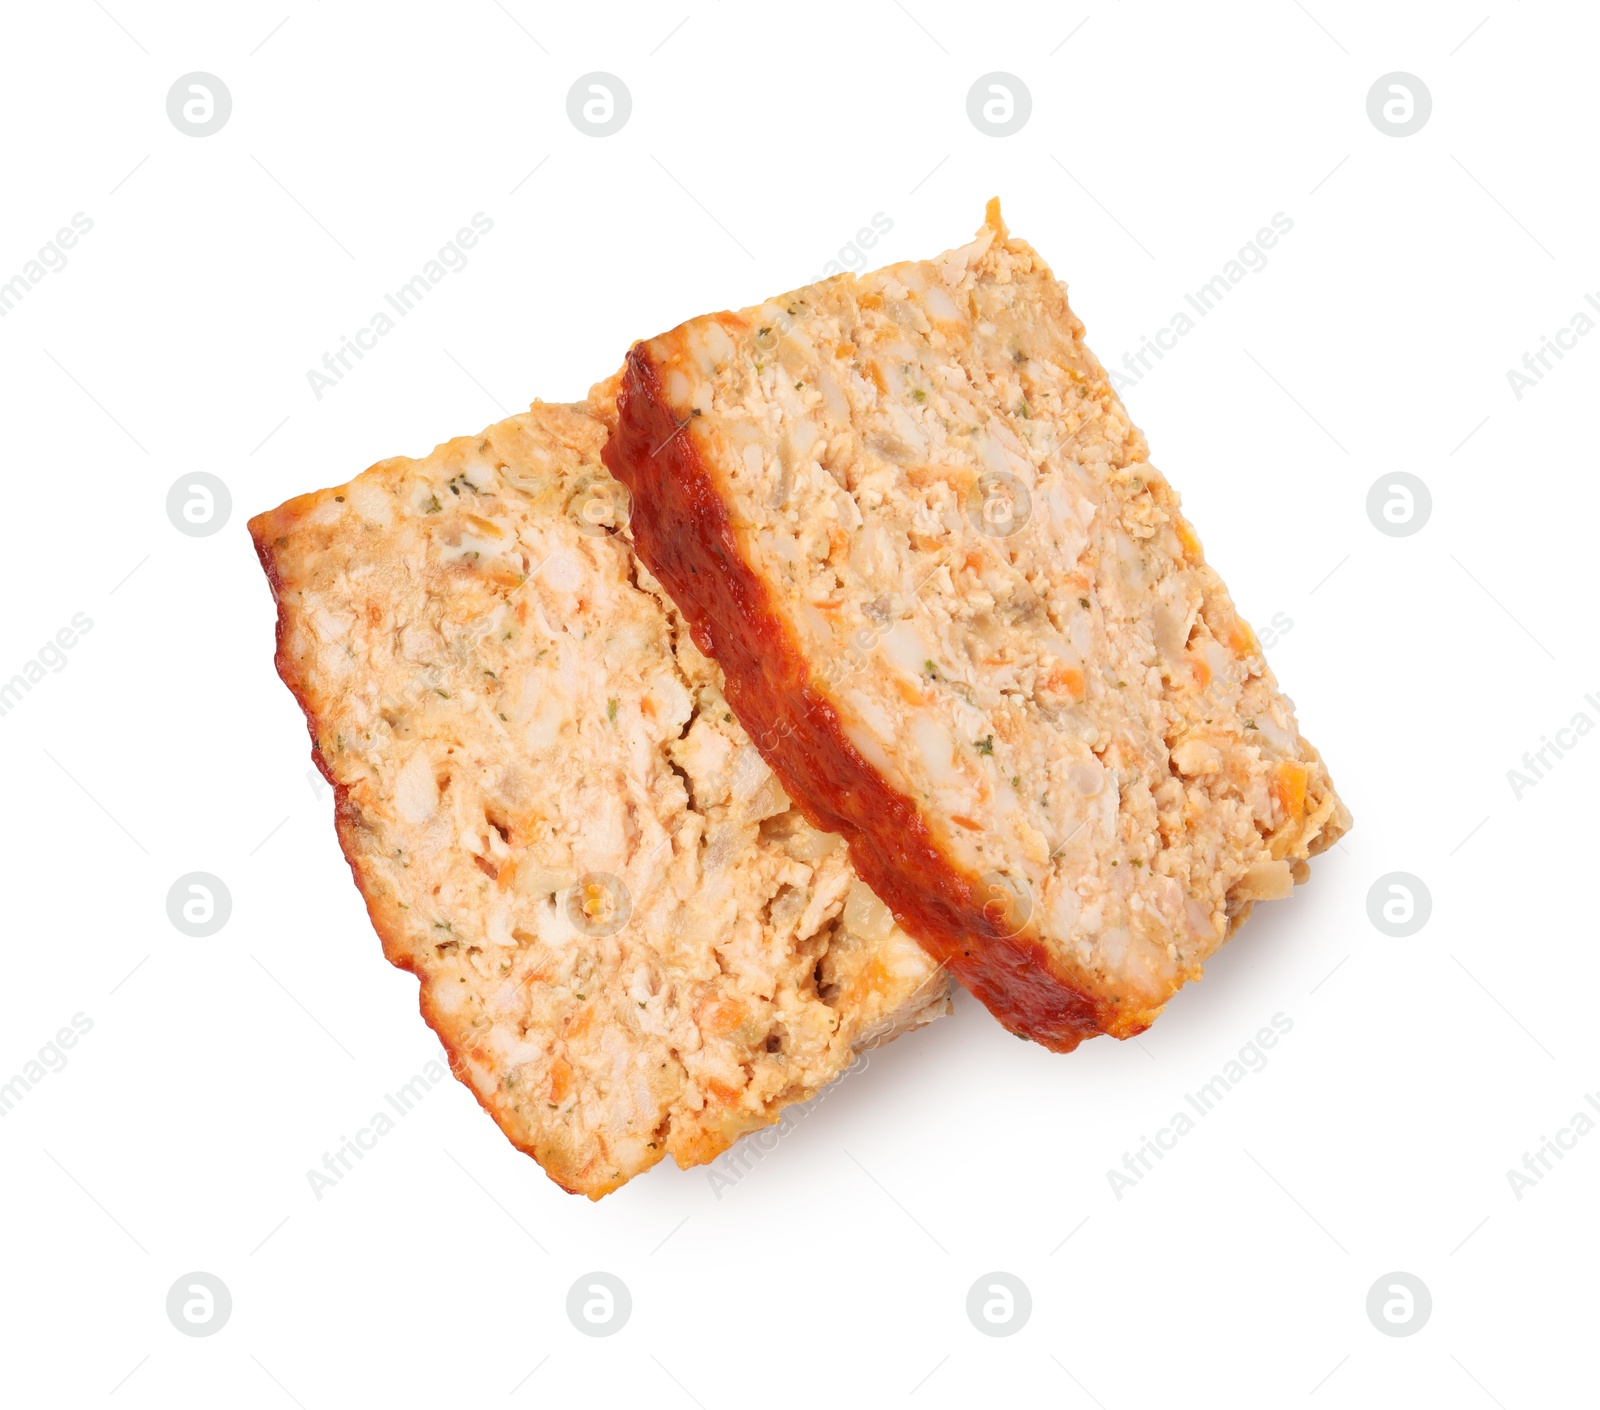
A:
x,y
264,529
682,531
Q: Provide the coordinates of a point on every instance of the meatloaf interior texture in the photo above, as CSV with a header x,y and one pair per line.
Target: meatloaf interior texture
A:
x,y
628,941
962,617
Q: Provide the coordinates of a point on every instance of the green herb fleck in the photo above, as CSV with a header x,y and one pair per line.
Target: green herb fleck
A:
x,y
984,745
1083,602
611,709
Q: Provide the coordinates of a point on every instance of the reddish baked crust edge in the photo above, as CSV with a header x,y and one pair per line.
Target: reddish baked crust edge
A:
x,y
682,531
347,821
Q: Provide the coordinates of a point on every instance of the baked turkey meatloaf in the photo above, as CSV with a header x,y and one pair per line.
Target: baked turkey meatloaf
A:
x,y
627,939
961,616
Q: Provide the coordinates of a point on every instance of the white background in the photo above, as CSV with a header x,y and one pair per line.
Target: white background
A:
x,y
1417,1072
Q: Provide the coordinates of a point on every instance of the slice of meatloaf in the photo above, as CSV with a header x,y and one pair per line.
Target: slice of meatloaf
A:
x,y
961,616
628,941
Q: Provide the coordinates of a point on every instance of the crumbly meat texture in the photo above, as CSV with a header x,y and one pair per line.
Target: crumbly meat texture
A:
x,y
962,616
628,941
